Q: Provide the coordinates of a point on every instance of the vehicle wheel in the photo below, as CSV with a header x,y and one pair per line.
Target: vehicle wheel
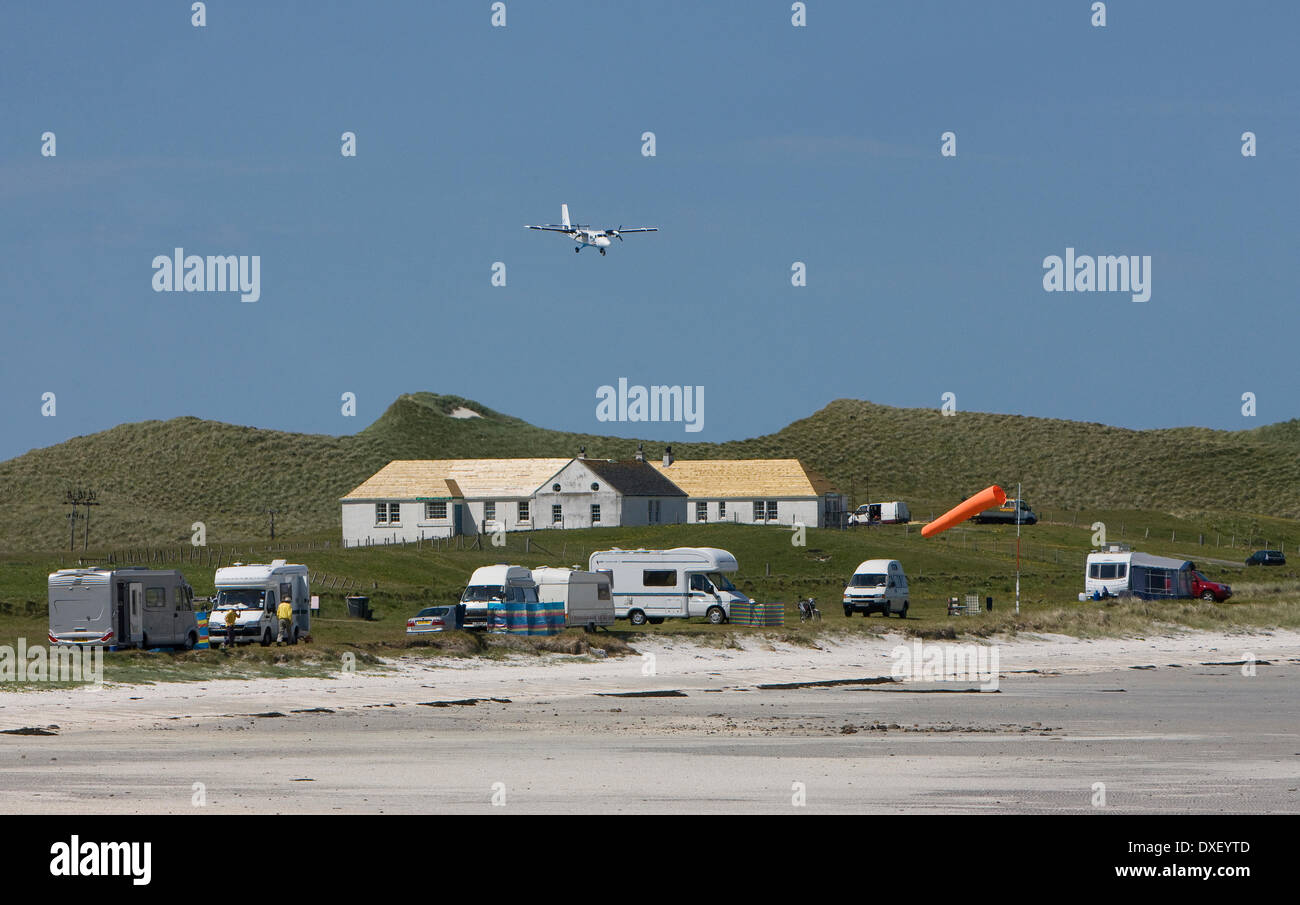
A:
x,y
848,612
1208,595
657,620
293,639
902,614
266,638
590,628
636,617
144,641
716,615
190,641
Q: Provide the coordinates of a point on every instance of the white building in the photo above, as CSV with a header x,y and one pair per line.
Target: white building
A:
x,y
753,491
434,498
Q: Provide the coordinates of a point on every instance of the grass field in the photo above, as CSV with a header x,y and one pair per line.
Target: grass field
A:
x,y
968,559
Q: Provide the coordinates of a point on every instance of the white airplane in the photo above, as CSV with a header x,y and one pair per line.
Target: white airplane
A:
x,y
586,235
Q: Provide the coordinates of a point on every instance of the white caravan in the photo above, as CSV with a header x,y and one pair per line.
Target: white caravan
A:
x,y
496,583
587,598
877,586
254,592
653,585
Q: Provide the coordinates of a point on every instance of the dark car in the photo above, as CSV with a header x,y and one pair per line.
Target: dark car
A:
x,y
1266,558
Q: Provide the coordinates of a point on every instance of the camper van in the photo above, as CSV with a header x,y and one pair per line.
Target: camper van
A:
x,y
654,585
496,583
587,597
254,592
122,608
877,586
881,514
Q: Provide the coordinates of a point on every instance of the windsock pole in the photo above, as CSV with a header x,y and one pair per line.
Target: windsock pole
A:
x,y
1018,505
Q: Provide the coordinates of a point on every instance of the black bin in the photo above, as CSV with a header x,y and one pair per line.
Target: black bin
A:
x,y
359,607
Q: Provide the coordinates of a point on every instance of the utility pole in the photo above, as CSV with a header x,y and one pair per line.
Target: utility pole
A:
x,y
272,513
88,500
72,498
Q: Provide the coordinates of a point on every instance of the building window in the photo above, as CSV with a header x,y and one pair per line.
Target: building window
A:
x,y
490,511
388,513
652,512
557,514
435,510
722,509
701,511
758,510
771,510
522,513
595,513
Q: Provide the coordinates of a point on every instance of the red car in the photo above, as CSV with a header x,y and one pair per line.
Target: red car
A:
x,y
1205,589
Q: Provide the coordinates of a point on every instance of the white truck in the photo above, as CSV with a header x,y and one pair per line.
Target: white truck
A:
x,y
587,597
654,585
501,582
254,592
877,586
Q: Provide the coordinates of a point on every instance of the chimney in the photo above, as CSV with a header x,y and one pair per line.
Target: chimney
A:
x,y
668,455
582,452
640,452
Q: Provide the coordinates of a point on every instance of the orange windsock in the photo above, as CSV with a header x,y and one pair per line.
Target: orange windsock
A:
x,y
985,499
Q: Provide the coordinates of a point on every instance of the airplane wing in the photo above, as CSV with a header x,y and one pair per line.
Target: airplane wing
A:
x,y
632,229
551,227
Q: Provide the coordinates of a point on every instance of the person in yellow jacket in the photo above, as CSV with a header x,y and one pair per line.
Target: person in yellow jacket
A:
x,y
231,618
284,612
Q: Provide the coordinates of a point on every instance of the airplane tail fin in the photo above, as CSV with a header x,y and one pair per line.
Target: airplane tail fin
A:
x,y
564,215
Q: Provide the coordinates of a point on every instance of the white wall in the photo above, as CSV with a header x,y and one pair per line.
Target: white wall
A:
x,y
359,526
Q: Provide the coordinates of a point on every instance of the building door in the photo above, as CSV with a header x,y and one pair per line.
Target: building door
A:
x,y
456,516
134,613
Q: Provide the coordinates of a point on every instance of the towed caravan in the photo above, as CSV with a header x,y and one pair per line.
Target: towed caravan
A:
x,y
654,585
587,598
131,607
1118,570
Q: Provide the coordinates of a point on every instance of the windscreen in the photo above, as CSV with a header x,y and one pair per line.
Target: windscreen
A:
x,y
720,581
482,593
868,580
242,598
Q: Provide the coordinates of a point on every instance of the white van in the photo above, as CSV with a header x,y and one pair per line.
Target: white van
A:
x,y
895,513
587,597
877,586
254,592
496,583
653,585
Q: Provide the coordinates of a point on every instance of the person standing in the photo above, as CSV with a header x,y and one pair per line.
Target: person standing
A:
x,y
285,614
231,618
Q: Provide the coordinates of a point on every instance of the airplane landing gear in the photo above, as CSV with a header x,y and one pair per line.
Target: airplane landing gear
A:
x,y
602,252
578,249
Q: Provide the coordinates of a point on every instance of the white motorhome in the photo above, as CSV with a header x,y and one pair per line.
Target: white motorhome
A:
x,y
587,597
877,586
134,607
881,514
254,592
501,582
654,585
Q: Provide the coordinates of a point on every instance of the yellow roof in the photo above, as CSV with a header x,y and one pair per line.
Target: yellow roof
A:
x,y
745,478
459,478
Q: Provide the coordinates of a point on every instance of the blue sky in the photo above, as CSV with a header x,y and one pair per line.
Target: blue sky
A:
x,y
775,144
